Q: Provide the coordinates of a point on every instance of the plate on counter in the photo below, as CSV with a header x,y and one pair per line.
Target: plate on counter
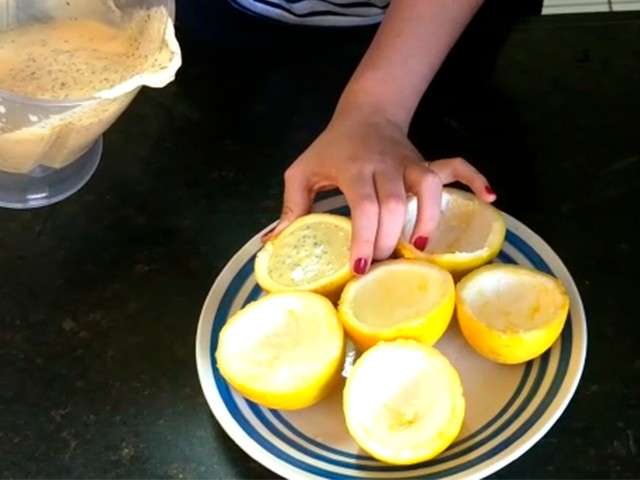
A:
x,y
509,407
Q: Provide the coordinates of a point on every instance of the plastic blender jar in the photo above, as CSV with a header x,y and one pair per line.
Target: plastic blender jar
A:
x,y
49,149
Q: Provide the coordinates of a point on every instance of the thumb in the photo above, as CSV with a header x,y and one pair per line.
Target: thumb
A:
x,y
297,201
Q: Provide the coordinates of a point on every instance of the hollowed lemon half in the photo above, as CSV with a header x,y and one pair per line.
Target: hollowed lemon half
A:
x,y
284,350
311,254
511,314
403,402
398,299
470,233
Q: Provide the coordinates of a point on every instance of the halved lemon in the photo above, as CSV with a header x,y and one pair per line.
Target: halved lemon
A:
x,y
311,254
470,233
511,314
398,299
284,350
403,402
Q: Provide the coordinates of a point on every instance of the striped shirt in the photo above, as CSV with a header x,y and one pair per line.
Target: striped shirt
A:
x,y
318,12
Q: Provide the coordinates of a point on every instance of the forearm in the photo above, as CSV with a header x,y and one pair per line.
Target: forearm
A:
x,y
407,51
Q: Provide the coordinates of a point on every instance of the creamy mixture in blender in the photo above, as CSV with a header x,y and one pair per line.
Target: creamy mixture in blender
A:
x,y
69,59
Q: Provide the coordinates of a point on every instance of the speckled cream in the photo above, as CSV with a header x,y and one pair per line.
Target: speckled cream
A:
x,y
74,59
312,252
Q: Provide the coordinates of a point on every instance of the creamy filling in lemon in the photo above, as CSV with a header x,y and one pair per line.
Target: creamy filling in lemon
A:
x,y
508,302
309,253
398,296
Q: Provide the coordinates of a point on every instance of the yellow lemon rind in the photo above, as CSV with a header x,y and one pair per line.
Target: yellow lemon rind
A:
x,y
304,395
460,263
431,448
427,329
330,287
514,346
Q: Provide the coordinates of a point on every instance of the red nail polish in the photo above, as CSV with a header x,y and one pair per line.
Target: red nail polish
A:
x,y
360,266
489,190
421,243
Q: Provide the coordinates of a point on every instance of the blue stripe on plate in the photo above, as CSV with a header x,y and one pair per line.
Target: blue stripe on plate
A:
x,y
342,453
229,401
258,411
505,258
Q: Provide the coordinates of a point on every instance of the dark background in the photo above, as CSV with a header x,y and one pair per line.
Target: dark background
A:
x,y
100,294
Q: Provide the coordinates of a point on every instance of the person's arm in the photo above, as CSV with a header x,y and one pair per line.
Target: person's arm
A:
x,y
364,151
407,51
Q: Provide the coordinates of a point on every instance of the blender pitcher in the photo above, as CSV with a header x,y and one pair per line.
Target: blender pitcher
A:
x,y
49,148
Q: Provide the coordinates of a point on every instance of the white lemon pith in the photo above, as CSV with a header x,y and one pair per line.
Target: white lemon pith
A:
x,y
469,234
283,351
511,314
311,254
403,402
398,299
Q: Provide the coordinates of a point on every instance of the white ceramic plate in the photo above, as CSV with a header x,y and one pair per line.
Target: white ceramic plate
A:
x,y
509,408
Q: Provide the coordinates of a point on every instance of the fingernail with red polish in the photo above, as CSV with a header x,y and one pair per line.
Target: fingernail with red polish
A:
x,y
489,190
360,266
421,243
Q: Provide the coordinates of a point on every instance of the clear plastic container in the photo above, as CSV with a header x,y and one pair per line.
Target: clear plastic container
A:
x,y
49,149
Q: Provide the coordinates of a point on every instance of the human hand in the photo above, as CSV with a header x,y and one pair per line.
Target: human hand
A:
x,y
371,160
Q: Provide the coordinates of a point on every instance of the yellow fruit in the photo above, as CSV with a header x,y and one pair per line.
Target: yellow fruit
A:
x,y
511,314
311,254
398,299
470,233
283,351
403,402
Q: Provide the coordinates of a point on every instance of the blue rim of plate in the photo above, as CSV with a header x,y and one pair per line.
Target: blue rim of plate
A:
x,y
519,423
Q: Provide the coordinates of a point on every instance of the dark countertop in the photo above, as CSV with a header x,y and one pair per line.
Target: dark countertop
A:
x,y
100,294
